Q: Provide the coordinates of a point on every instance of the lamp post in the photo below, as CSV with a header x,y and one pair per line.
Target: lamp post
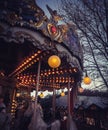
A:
x,y
68,101
54,62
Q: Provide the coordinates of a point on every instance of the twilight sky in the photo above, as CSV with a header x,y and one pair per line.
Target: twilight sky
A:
x,y
52,3
55,4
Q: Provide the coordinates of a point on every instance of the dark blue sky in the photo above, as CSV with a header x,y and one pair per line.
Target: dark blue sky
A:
x,y
53,4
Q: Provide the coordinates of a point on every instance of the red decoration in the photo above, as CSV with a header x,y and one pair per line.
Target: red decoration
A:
x,y
53,29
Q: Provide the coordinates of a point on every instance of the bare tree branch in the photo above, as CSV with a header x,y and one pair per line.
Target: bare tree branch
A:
x,y
91,19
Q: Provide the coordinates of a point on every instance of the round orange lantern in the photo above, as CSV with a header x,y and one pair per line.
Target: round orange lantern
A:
x,y
41,95
87,80
62,93
80,89
54,61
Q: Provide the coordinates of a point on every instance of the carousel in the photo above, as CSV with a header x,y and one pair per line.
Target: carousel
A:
x,y
38,53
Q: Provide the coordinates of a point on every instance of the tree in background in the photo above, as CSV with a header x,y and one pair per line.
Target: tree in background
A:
x,y
91,19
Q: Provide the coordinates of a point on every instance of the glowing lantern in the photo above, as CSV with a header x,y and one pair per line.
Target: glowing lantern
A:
x,y
62,93
1,73
18,94
54,61
41,95
80,89
86,79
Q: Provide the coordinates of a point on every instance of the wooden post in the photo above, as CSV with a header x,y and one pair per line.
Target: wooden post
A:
x,y
54,97
54,102
68,101
36,93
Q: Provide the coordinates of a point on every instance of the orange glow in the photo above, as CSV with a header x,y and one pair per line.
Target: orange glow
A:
x,y
54,61
80,89
62,93
41,95
87,80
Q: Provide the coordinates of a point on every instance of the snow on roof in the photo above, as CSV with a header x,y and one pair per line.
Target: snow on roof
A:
x,y
84,101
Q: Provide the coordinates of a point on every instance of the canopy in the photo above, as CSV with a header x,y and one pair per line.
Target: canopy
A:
x,y
27,36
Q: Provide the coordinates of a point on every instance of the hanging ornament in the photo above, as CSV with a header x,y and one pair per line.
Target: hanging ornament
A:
x,y
41,95
80,89
54,61
86,79
62,93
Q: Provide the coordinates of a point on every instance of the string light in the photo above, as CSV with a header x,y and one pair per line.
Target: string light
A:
x,y
26,63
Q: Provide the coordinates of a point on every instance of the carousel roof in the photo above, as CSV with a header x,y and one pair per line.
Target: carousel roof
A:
x,y
28,36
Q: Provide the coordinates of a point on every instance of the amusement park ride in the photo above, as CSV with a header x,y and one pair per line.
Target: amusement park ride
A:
x,y
27,39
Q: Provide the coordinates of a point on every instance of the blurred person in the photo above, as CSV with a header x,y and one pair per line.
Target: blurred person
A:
x,y
19,114
26,119
2,105
5,118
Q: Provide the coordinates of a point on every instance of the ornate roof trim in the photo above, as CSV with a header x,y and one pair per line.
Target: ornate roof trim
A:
x,y
28,13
